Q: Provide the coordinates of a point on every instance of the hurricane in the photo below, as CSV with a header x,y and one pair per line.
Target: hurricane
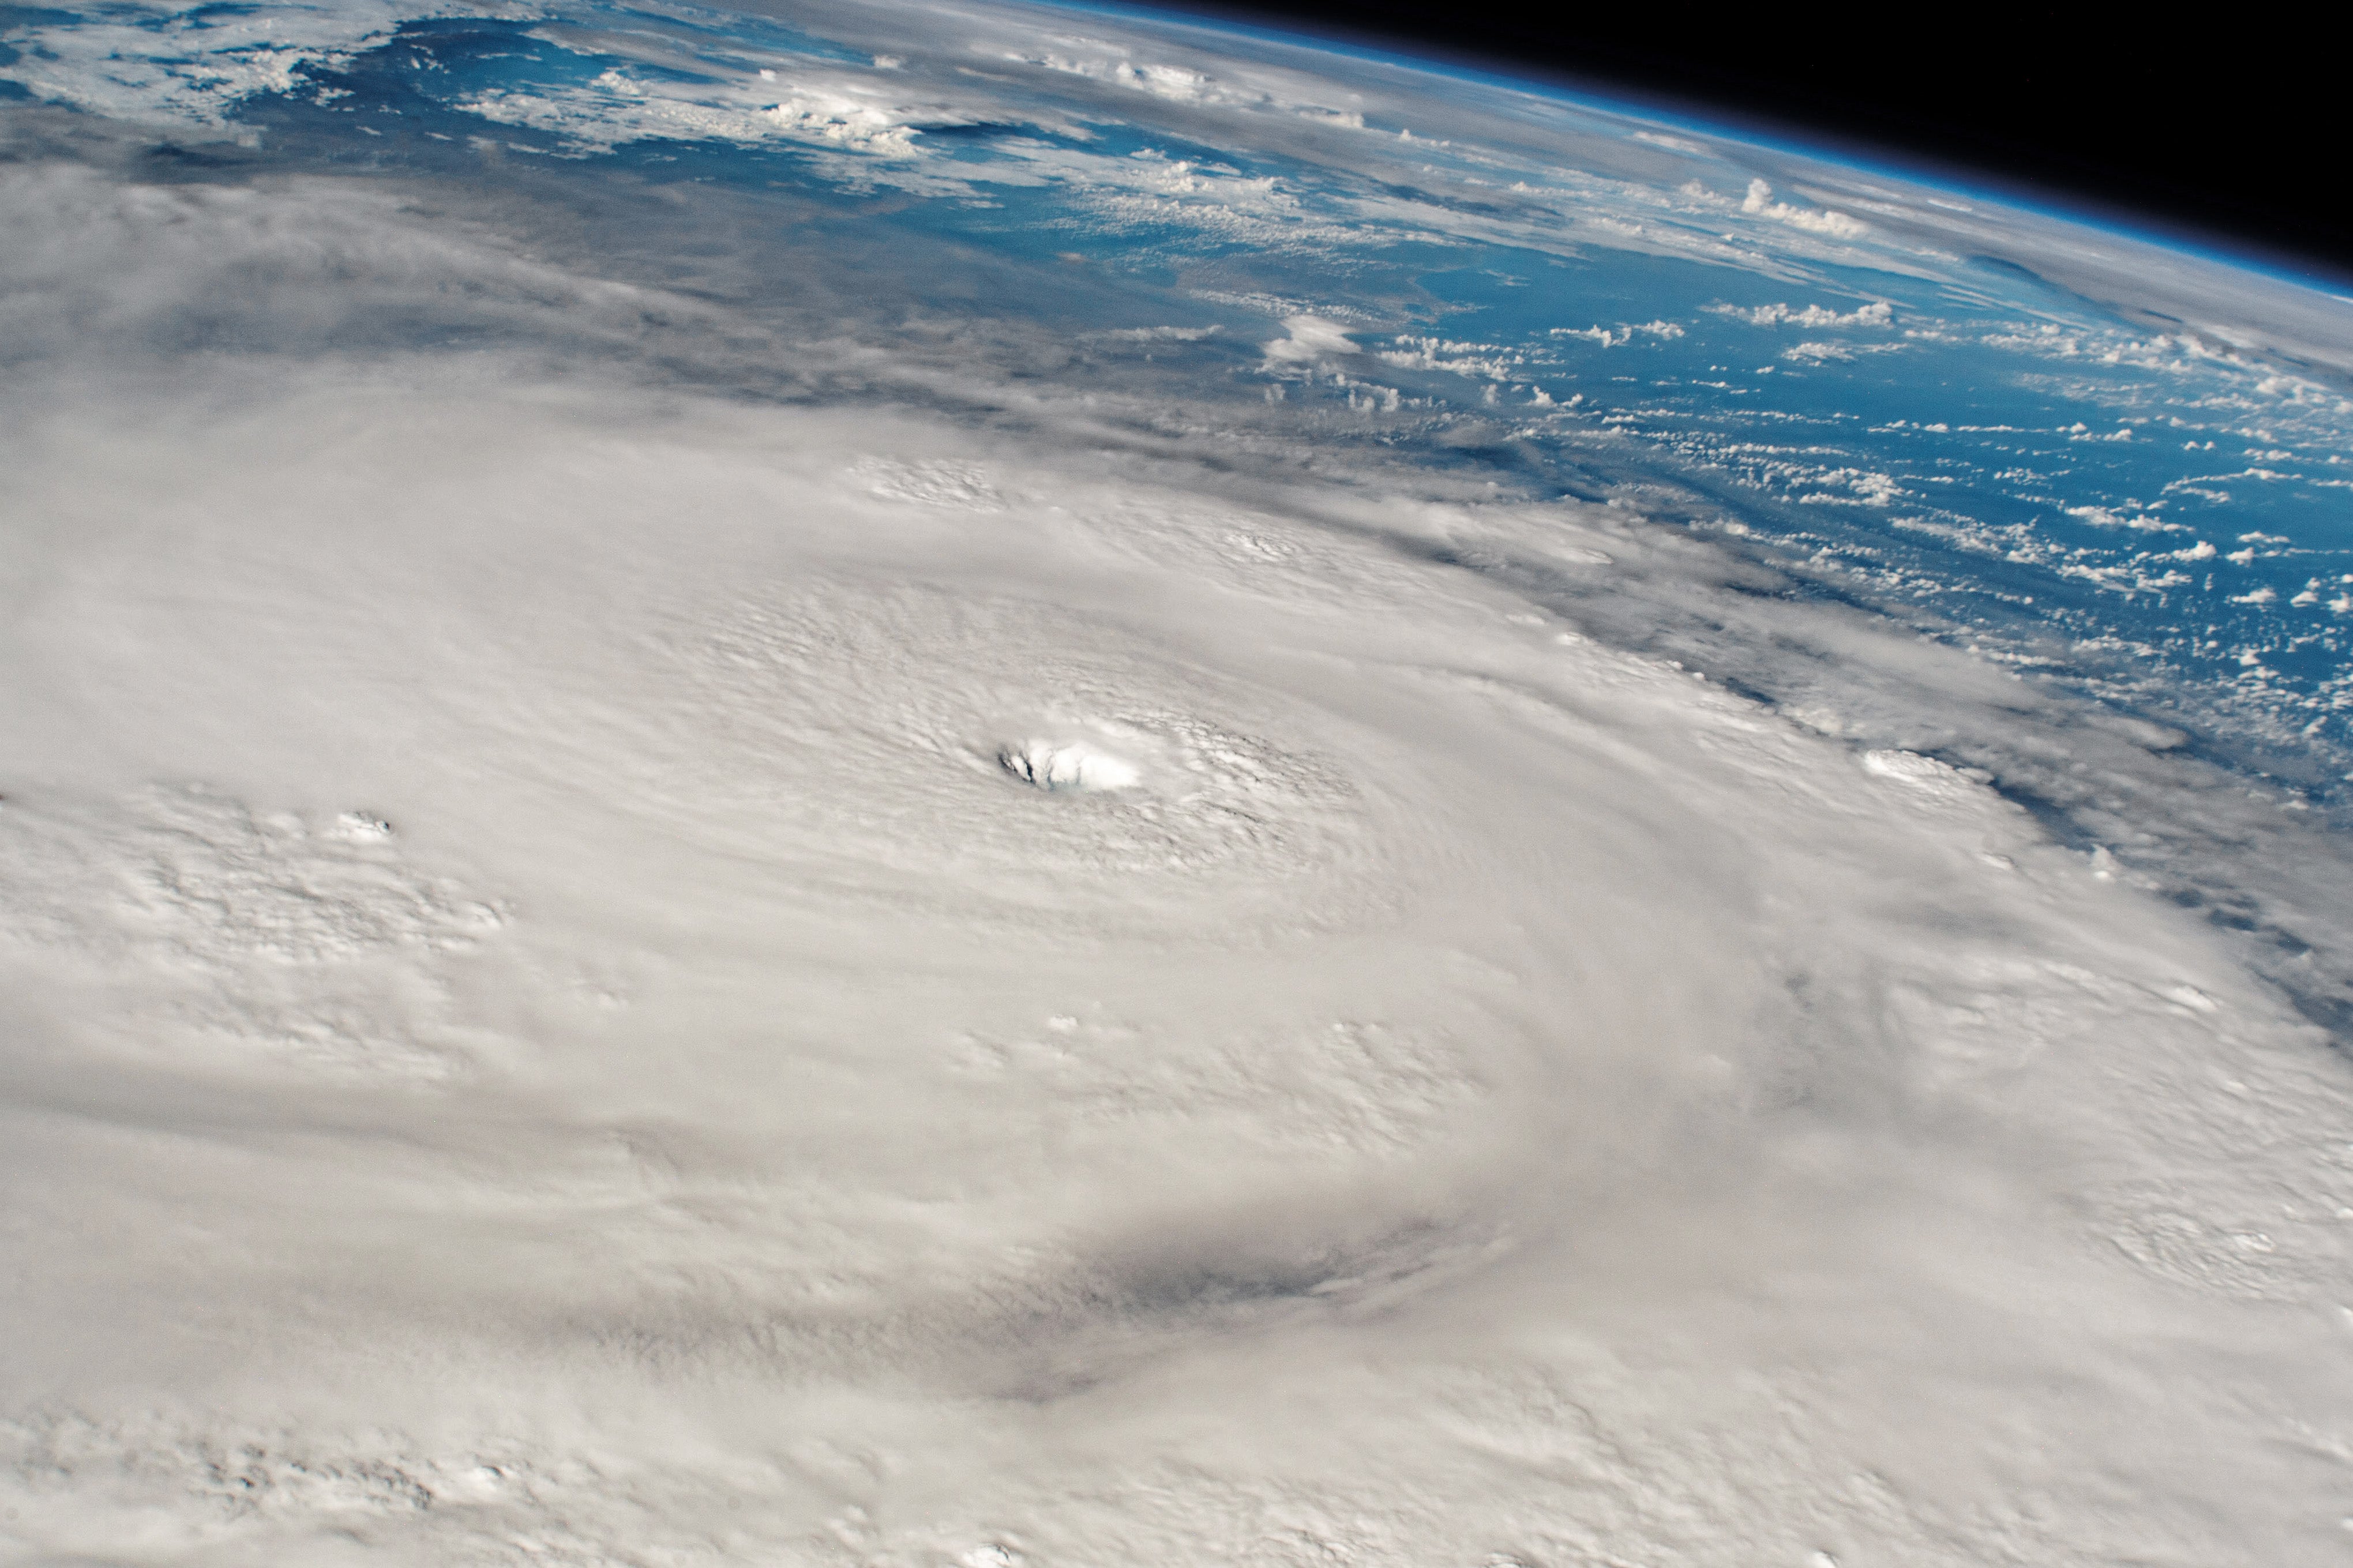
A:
x,y
935,785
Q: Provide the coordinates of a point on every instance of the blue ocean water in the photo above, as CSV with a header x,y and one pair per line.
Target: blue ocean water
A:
x,y
1953,439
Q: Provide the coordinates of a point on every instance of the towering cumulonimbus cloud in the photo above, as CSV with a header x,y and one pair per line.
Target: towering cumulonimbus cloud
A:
x,y
680,916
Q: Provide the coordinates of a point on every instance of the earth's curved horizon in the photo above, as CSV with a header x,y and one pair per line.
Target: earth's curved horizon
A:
x,y
932,783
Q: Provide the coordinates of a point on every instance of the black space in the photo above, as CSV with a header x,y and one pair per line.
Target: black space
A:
x,y
2233,135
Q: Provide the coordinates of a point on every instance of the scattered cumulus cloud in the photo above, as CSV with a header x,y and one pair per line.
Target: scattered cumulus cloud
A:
x,y
1623,333
194,64
619,107
1310,338
1877,313
1759,203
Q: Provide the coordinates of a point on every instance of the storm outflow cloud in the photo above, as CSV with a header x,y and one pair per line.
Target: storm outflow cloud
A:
x,y
670,900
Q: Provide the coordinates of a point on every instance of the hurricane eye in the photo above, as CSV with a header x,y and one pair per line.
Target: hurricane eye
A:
x,y
1064,765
